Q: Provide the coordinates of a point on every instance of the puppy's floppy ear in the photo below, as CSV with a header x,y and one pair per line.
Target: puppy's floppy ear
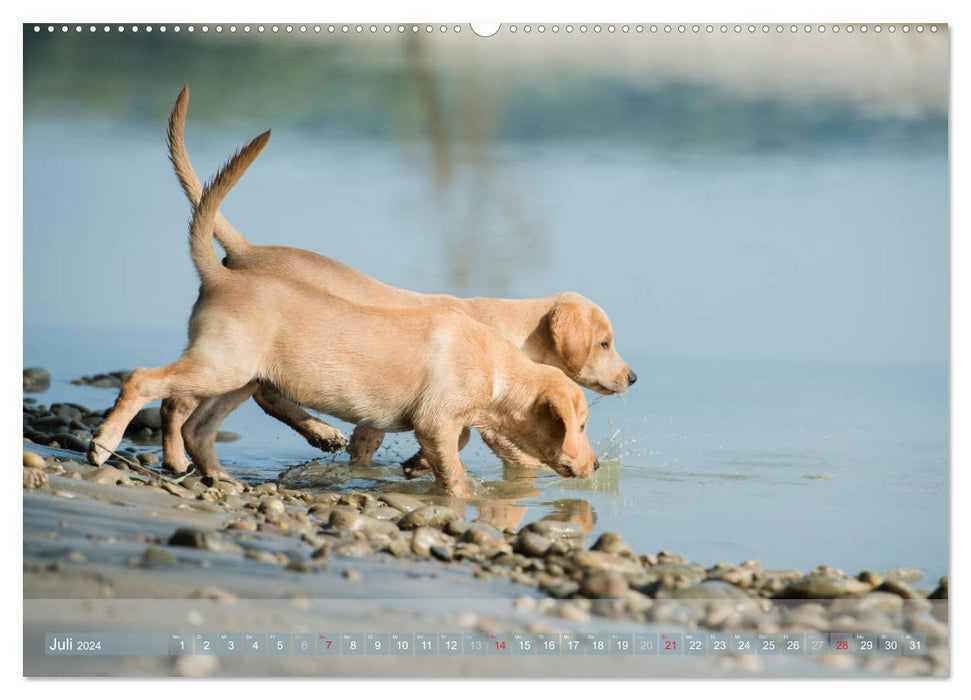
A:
x,y
559,410
572,335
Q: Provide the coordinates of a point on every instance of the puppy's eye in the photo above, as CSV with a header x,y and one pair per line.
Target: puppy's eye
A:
x,y
583,427
605,345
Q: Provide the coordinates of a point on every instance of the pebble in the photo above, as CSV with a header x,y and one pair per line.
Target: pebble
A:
x,y
177,490
157,555
353,575
401,501
272,507
428,516
148,459
605,561
345,518
149,417
323,550
301,565
604,584
50,424
262,556
440,552
557,530
71,442
200,539
899,588
458,528
671,576
940,593
706,590
380,511
823,587
424,538
903,574
613,543
374,526
33,460
108,475
36,379
354,550
358,501
35,478
211,495
399,546
741,577
556,586
532,544
213,593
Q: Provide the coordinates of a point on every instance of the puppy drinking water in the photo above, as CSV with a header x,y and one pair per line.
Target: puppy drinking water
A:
x,y
436,371
566,331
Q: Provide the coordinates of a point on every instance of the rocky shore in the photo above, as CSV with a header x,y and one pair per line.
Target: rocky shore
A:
x,y
545,570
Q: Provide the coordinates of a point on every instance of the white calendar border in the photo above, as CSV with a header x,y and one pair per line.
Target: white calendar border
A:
x,y
818,11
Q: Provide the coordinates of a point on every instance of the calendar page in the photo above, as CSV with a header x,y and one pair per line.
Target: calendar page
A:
x,y
544,350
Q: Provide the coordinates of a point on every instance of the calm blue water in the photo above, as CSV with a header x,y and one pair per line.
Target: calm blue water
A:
x,y
785,308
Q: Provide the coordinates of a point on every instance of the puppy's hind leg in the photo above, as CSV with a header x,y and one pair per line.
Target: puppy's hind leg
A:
x,y
314,431
175,412
199,432
186,377
142,386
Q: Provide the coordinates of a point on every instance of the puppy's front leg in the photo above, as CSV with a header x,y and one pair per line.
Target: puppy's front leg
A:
x,y
364,443
417,465
314,431
439,446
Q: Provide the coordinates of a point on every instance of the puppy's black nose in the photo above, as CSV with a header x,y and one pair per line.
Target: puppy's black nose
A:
x,y
596,464
631,378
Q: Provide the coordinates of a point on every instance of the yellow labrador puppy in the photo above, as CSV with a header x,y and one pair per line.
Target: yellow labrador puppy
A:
x,y
433,370
566,331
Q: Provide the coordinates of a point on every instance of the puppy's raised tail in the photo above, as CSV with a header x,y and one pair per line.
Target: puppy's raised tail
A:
x,y
203,220
227,235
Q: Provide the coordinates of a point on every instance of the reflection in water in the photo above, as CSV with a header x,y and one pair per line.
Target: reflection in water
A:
x,y
502,501
486,233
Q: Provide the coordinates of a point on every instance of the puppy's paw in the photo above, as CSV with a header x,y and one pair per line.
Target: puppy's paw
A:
x,y
176,466
224,482
97,455
416,466
324,437
464,488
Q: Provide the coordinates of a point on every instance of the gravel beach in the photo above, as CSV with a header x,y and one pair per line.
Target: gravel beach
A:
x,y
124,548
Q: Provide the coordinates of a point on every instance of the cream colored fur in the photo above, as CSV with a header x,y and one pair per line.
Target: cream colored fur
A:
x,y
566,330
431,368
